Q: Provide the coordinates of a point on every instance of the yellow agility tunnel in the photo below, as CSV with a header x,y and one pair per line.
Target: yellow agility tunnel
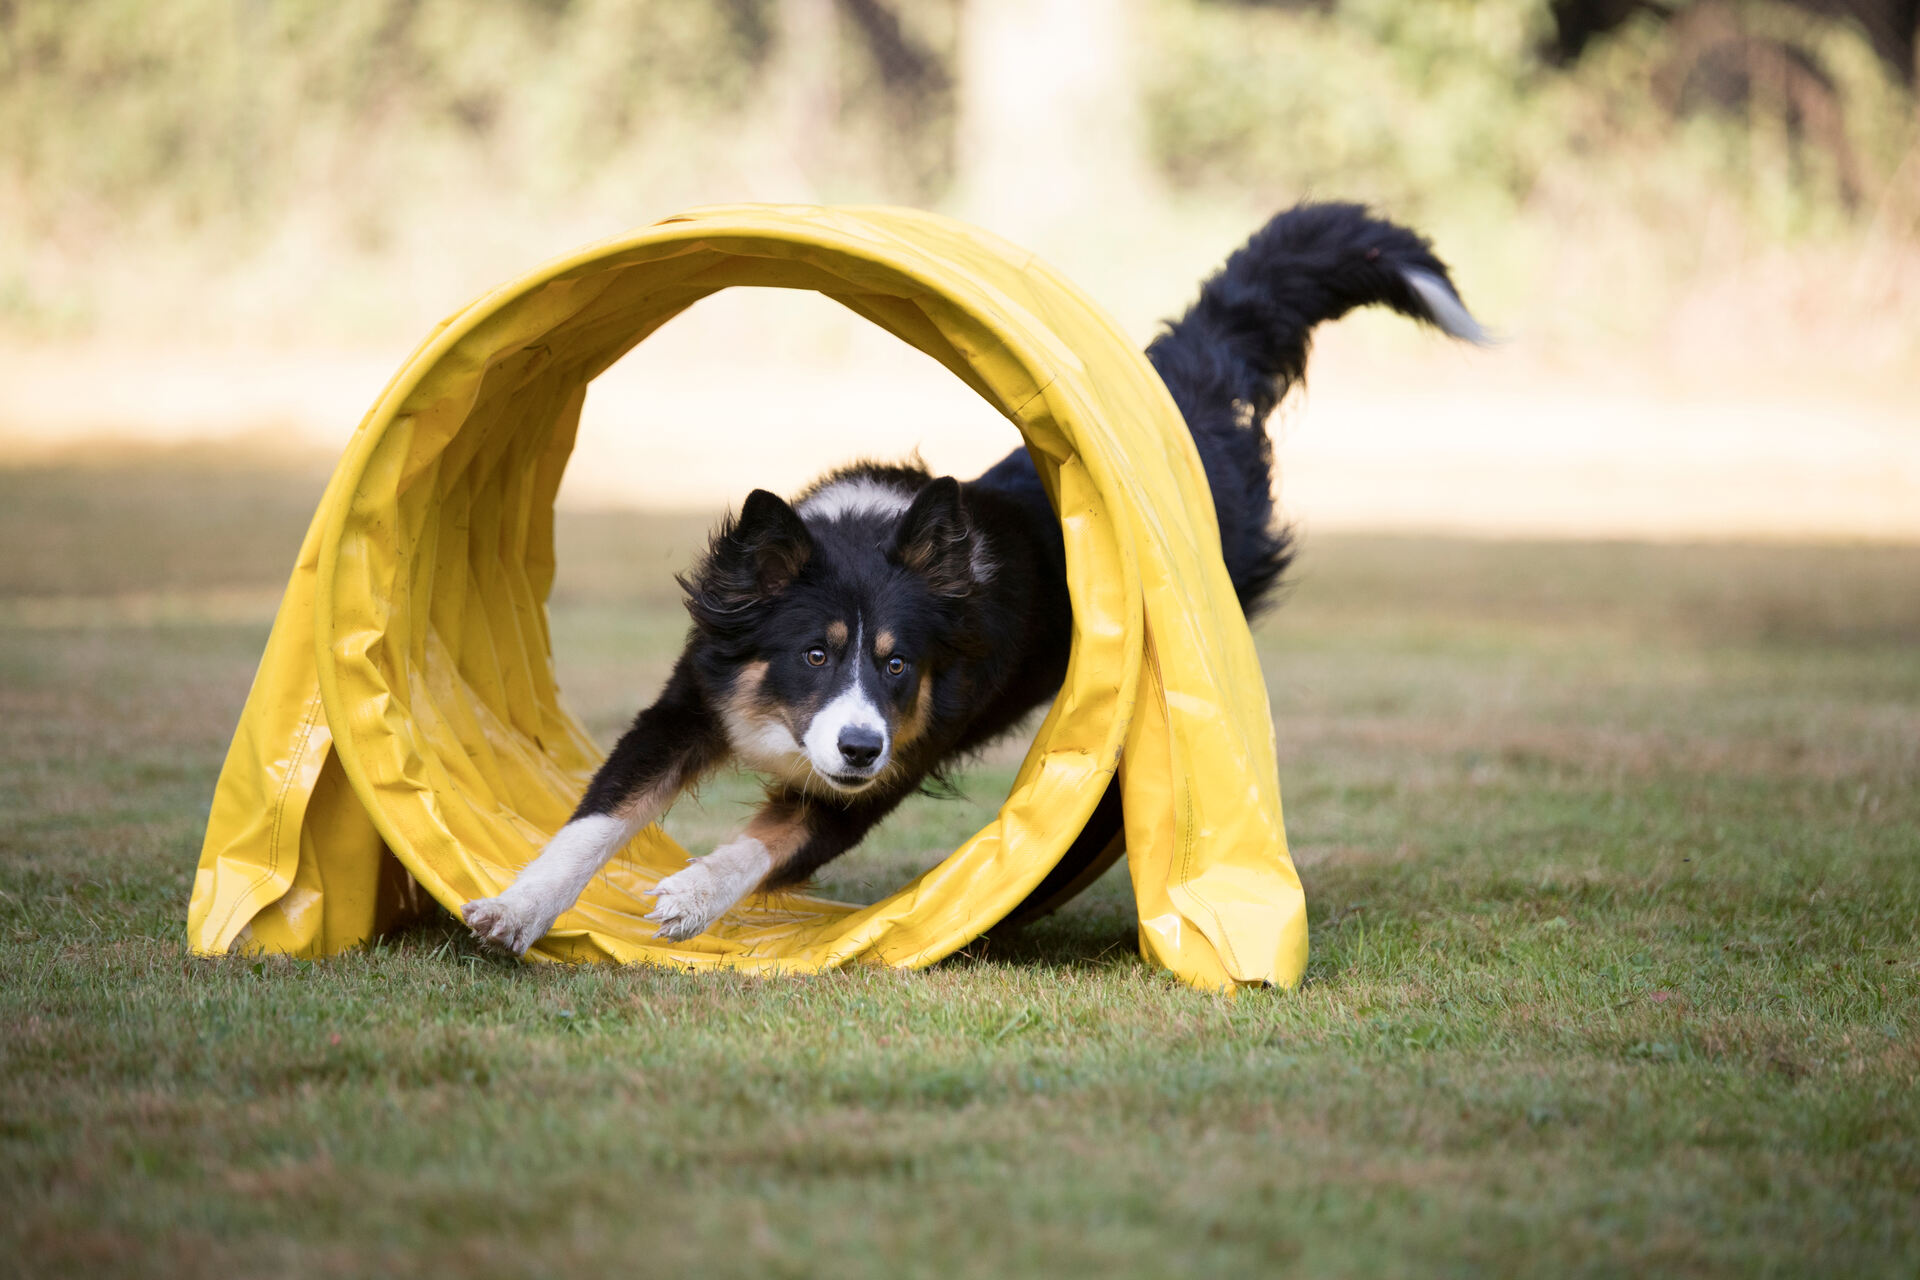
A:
x,y
405,732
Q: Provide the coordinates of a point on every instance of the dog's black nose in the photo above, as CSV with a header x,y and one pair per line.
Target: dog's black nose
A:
x,y
860,747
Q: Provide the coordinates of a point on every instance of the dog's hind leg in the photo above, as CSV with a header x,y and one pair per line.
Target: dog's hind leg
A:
x,y
670,745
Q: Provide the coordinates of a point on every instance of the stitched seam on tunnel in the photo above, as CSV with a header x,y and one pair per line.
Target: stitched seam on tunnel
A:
x,y
1040,391
279,818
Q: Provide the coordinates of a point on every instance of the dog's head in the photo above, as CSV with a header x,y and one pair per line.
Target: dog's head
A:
x,y
823,628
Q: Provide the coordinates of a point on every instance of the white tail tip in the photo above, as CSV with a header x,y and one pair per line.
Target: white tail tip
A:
x,y
1445,308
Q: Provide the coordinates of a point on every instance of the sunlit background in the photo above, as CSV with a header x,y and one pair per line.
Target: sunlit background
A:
x,y
1696,228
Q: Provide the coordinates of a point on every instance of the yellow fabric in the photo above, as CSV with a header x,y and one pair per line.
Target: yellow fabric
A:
x,y
406,700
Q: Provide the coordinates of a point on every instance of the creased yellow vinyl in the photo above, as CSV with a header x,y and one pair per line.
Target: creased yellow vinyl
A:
x,y
405,718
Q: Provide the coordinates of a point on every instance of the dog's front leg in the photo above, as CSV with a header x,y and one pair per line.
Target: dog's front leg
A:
x,y
668,747
788,839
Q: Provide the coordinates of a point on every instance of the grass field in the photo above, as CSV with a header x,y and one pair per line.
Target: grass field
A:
x,y
1613,855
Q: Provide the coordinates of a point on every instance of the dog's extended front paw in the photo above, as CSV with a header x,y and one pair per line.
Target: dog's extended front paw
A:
x,y
688,902
503,923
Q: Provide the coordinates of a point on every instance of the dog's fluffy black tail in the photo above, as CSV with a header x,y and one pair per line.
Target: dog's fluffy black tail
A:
x,y
1239,348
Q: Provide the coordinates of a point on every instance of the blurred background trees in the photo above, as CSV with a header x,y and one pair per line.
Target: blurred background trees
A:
x,y
1696,223
245,134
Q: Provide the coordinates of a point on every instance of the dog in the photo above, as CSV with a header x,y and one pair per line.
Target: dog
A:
x,y
851,644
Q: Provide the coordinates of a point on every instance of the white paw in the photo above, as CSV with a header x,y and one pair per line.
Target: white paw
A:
x,y
688,902
501,922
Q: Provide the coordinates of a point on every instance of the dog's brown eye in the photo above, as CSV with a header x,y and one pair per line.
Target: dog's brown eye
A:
x,y
816,657
895,666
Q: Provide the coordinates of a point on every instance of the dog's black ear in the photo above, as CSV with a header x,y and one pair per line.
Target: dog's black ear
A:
x,y
936,540
775,539
755,555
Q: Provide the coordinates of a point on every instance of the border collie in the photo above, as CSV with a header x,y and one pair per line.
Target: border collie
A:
x,y
853,642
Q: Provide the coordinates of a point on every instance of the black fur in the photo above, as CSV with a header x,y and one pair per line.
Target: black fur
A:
x,y
951,599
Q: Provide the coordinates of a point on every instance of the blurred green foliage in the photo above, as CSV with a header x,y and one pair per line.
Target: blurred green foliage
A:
x,y
224,110
1384,98
239,135
1428,104
219,111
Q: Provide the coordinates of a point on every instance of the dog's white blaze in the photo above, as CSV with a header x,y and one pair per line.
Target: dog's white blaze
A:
x,y
856,496
1444,305
851,709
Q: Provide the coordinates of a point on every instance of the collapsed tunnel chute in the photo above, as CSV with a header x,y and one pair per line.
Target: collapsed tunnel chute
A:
x,y
404,731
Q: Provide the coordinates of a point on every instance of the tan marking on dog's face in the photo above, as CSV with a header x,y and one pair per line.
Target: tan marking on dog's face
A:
x,y
837,632
883,643
743,697
760,730
916,719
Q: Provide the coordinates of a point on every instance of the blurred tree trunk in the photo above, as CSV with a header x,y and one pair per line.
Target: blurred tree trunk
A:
x,y
1049,114
805,82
